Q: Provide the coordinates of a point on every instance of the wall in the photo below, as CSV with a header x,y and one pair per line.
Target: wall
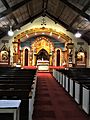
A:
x,y
49,24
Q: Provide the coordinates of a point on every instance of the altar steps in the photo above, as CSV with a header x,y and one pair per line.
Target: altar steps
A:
x,y
43,71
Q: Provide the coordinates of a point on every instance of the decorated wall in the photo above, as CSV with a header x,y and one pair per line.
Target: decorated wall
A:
x,y
58,32
42,43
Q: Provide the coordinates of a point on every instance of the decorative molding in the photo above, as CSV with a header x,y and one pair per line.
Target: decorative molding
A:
x,y
39,31
5,41
4,48
80,43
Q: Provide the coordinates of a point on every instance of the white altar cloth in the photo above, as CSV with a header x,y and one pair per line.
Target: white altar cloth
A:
x,y
43,65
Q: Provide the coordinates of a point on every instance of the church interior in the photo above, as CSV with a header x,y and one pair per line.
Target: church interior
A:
x,y
44,60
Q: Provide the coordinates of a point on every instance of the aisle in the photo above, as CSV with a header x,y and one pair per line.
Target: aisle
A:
x,y
53,103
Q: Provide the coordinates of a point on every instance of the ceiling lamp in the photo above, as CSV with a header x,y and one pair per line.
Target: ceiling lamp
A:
x,y
10,32
78,34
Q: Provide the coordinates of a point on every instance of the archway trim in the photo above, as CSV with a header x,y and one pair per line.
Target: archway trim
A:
x,y
40,31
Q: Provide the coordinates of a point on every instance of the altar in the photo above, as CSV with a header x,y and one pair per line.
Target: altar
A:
x,y
43,65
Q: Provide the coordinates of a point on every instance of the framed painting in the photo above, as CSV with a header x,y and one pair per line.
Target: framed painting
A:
x,y
80,57
4,56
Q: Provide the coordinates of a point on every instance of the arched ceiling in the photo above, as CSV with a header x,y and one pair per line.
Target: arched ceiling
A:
x,y
71,14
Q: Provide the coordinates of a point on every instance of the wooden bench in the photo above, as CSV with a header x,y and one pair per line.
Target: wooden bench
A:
x,y
16,84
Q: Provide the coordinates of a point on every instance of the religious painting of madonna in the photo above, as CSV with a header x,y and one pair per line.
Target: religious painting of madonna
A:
x,y
81,59
4,55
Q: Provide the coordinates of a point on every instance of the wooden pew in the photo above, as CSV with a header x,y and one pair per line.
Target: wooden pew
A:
x,y
16,84
86,98
76,82
14,94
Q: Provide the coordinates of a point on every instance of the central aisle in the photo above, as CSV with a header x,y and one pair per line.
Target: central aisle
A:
x,y
53,103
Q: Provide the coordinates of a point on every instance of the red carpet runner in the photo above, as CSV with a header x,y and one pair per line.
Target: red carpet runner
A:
x,y
53,103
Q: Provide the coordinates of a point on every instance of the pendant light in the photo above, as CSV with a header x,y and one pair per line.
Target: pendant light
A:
x,y
10,32
78,34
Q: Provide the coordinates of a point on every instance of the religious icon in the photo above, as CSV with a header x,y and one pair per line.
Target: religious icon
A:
x,y
80,57
5,55
14,47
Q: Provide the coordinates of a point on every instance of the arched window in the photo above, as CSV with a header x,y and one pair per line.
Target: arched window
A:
x,y
26,57
58,57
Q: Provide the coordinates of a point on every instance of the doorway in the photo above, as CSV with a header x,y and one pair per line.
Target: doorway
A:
x,y
43,54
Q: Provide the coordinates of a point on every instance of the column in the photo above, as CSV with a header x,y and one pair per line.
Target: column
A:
x,y
15,52
70,54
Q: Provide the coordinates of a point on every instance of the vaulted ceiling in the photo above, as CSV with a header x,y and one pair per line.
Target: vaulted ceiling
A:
x,y
71,14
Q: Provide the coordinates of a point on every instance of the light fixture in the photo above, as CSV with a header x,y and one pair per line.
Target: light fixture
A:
x,y
43,33
50,33
58,36
35,33
27,35
78,34
10,32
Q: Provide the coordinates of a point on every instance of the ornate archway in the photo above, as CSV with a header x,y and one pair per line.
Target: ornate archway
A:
x,y
42,48
39,43
43,54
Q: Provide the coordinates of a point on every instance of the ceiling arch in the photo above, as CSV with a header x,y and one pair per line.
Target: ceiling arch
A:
x,y
35,32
